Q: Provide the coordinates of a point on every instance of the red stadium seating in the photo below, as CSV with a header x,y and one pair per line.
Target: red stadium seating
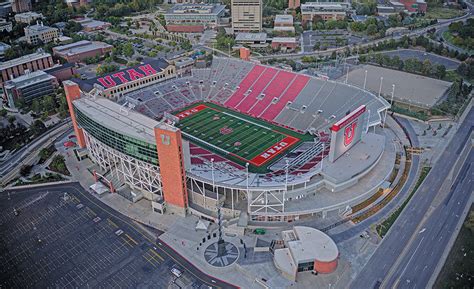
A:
x,y
262,82
274,89
274,109
251,77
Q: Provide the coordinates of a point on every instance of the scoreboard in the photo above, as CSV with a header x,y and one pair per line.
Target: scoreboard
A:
x,y
347,132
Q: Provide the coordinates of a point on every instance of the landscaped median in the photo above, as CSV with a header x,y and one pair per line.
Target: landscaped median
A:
x,y
385,225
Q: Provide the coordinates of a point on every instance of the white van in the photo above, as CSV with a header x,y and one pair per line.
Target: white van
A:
x,y
176,272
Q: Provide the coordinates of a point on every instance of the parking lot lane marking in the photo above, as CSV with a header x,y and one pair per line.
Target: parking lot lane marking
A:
x,y
131,239
112,223
157,255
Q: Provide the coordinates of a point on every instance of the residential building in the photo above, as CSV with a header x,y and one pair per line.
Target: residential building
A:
x,y
324,11
246,15
3,48
29,86
39,33
5,8
31,62
252,39
283,23
19,6
5,25
28,17
293,4
189,18
80,50
89,24
284,43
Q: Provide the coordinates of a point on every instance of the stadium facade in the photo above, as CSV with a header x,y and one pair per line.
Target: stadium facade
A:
x,y
241,136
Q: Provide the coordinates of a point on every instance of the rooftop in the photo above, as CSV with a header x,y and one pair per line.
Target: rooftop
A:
x,y
80,47
30,78
23,59
284,19
118,117
39,28
251,36
91,23
189,8
29,14
284,39
312,244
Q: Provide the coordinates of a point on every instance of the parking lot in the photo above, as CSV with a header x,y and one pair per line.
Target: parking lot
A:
x,y
67,240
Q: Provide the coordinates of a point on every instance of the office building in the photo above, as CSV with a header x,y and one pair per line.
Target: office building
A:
x,y
246,15
324,11
29,86
19,6
189,18
28,17
39,33
14,68
81,50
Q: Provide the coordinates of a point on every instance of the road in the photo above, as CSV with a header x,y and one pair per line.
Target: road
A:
x,y
27,154
136,232
440,24
401,239
419,263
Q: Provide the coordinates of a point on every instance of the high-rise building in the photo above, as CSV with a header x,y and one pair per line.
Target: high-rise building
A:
x,y
246,15
19,6
293,4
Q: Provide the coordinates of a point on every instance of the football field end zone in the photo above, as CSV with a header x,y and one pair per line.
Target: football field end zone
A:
x,y
267,153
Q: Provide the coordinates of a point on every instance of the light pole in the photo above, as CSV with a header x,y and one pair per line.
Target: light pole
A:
x,y
247,174
322,157
391,104
365,79
286,182
380,88
212,173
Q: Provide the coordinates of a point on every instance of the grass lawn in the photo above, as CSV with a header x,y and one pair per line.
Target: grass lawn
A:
x,y
443,13
382,229
236,136
458,271
448,37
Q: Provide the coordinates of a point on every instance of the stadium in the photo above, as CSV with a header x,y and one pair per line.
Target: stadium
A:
x,y
261,143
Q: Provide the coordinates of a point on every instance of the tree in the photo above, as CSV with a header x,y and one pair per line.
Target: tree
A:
x,y
372,29
37,127
25,170
440,71
35,106
127,49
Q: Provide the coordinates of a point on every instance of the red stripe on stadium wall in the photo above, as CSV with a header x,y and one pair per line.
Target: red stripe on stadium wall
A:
x,y
273,151
348,118
191,111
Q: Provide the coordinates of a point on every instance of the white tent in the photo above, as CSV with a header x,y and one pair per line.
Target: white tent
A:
x,y
99,188
202,225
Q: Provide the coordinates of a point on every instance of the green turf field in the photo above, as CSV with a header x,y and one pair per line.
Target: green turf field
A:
x,y
230,133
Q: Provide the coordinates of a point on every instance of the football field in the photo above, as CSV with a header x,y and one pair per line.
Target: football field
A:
x,y
232,134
